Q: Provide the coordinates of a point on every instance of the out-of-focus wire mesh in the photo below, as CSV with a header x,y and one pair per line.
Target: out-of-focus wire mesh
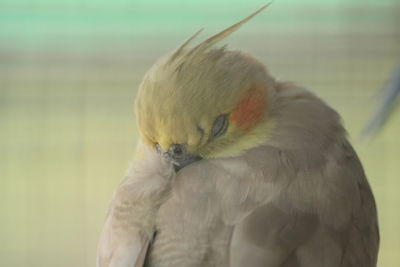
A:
x,y
69,71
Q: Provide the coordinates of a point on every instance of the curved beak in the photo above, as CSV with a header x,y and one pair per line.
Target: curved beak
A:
x,y
178,156
183,163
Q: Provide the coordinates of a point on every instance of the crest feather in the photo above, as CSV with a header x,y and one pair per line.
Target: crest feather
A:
x,y
225,33
208,43
185,44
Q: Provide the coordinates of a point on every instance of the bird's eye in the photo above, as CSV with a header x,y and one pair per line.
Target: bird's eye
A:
x,y
220,126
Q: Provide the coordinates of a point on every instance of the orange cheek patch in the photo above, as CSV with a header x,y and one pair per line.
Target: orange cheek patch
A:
x,y
251,108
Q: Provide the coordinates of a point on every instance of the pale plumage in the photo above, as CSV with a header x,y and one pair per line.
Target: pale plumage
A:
x,y
281,186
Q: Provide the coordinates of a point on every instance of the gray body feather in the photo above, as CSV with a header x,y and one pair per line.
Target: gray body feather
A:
x,y
299,200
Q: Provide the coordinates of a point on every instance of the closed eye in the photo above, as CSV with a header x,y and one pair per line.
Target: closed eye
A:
x,y
220,126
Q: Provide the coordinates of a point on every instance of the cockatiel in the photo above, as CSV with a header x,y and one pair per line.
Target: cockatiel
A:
x,y
235,168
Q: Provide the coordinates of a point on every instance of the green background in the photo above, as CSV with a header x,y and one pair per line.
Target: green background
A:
x,y
69,71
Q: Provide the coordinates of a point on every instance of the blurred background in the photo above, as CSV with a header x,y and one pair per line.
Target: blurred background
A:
x,y
69,71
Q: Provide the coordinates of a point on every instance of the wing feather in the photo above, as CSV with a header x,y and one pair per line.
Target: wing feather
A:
x,y
130,222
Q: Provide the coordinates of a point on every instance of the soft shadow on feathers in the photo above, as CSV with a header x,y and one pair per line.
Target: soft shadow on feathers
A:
x,y
288,190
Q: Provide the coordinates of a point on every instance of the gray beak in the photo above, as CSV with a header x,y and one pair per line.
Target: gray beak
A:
x,y
179,165
178,156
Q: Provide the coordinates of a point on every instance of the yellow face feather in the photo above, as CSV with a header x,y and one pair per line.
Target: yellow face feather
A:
x,y
187,95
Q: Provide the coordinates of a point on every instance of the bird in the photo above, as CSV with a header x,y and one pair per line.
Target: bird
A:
x,y
236,168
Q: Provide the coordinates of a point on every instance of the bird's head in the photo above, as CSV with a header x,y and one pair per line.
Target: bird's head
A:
x,y
204,102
